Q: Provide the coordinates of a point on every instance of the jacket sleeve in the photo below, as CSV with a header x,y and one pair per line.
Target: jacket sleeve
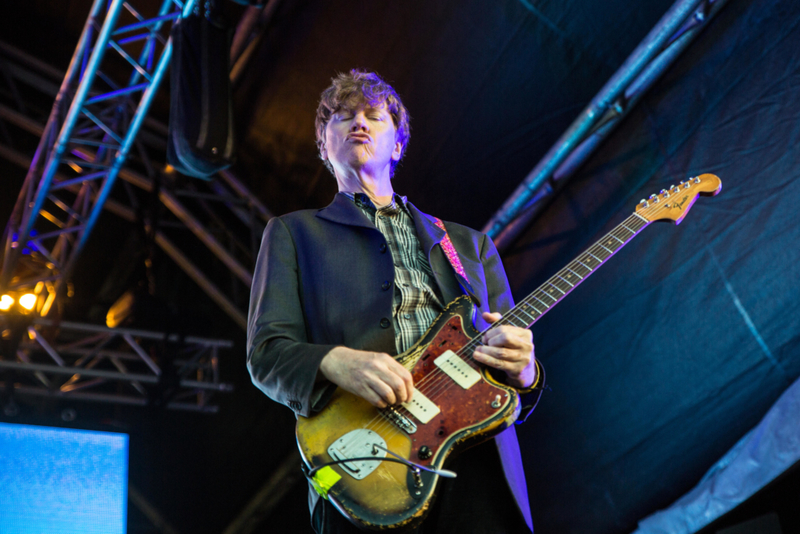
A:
x,y
281,360
500,300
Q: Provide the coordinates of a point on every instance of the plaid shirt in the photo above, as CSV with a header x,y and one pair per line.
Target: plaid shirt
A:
x,y
415,302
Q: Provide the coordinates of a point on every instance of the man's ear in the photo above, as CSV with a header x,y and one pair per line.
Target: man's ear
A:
x,y
398,151
323,153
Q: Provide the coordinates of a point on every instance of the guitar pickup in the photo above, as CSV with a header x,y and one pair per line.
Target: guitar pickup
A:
x,y
421,407
456,368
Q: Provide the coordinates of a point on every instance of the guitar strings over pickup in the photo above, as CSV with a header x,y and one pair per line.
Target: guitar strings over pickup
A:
x,y
456,368
421,407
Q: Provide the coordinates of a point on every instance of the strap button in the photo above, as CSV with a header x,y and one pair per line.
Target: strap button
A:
x,y
385,323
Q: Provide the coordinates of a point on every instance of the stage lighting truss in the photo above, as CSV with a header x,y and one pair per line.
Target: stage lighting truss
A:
x,y
124,366
221,213
119,63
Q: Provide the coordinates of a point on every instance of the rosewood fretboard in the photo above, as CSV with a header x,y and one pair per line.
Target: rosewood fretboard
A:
x,y
542,300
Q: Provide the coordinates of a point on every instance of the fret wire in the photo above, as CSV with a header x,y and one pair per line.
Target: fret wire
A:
x,y
621,230
623,227
515,313
524,320
598,252
535,308
566,281
551,284
516,320
546,295
528,306
575,273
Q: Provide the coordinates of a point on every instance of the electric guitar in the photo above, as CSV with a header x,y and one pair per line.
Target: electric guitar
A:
x,y
380,467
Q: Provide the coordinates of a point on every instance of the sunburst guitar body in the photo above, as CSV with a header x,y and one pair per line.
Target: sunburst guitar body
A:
x,y
455,404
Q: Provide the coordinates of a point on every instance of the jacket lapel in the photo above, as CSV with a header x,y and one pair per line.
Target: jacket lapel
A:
x,y
343,211
450,283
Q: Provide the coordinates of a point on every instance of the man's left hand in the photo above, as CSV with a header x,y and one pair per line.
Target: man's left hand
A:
x,y
509,349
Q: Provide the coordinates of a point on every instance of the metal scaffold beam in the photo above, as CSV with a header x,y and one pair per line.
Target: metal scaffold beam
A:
x,y
659,49
237,216
117,365
119,62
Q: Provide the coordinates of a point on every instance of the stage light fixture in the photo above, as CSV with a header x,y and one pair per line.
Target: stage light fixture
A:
x,y
27,301
6,301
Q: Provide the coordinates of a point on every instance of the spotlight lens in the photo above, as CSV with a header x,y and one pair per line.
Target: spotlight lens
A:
x,y
27,301
6,301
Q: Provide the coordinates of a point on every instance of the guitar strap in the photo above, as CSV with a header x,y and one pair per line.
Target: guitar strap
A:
x,y
455,261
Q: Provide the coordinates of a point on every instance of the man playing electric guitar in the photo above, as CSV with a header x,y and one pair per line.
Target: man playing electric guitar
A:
x,y
338,291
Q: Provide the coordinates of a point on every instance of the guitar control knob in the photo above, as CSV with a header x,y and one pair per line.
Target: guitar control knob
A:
x,y
425,452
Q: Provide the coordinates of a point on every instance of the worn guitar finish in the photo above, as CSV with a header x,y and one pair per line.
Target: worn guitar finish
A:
x,y
380,493
389,496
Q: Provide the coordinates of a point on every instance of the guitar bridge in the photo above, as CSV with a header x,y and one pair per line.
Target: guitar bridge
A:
x,y
404,423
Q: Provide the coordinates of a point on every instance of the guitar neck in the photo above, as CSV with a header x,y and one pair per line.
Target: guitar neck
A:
x,y
546,296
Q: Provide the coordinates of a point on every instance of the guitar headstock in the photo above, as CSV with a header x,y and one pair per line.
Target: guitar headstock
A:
x,y
673,204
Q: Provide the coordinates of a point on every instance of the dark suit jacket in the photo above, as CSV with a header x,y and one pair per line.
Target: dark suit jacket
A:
x,y
320,282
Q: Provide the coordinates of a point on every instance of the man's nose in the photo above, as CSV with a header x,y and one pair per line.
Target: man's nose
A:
x,y
359,123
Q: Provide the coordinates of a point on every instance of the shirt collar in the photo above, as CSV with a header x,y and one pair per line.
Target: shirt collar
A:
x,y
363,201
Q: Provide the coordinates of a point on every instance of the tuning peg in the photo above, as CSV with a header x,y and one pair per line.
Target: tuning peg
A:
x,y
644,203
697,180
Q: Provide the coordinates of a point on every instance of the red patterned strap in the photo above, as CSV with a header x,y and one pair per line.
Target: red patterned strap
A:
x,y
452,257
450,250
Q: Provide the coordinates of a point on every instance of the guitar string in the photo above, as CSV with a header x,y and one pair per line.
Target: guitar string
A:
x,y
383,420
513,315
621,233
438,382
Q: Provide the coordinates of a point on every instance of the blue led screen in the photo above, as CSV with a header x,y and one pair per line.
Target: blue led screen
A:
x,y
65,481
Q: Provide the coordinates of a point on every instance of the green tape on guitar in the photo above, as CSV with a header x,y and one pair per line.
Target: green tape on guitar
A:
x,y
324,479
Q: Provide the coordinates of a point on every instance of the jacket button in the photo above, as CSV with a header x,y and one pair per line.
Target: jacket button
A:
x,y
383,248
385,323
386,285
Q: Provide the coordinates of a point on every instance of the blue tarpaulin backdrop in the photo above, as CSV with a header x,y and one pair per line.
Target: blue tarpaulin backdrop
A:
x,y
679,345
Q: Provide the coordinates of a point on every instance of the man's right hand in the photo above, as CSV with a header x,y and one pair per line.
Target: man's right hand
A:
x,y
373,376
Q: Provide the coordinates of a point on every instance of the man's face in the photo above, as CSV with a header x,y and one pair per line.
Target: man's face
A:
x,y
362,138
